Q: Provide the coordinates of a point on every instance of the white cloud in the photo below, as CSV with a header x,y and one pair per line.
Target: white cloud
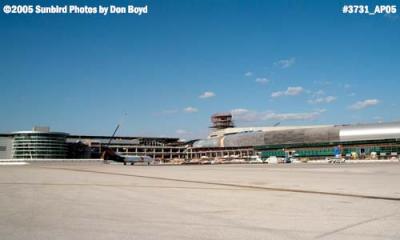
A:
x,y
181,132
248,74
262,80
207,94
238,111
364,104
292,116
249,116
290,91
277,94
190,109
285,63
327,99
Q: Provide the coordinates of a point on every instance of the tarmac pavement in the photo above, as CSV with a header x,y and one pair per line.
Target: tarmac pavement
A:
x,y
112,201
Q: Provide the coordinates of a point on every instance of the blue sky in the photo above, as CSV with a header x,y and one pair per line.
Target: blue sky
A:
x,y
165,73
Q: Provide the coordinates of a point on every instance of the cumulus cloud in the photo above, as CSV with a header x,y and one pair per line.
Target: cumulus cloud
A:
x,y
181,132
327,99
207,94
249,116
290,91
285,63
364,104
248,74
262,80
292,116
277,94
190,109
239,111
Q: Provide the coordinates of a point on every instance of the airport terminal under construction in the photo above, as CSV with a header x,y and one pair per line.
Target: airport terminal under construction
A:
x,y
226,143
91,200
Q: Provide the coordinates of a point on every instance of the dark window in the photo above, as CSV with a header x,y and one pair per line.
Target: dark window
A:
x,y
3,148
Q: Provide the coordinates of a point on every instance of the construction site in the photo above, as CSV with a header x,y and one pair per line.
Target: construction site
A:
x,y
226,143
304,143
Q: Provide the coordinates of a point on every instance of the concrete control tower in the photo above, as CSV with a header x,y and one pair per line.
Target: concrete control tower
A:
x,y
222,121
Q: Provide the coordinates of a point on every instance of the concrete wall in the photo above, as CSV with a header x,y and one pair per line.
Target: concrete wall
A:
x,y
5,147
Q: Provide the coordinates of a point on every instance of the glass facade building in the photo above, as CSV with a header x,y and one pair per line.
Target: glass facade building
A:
x,y
39,145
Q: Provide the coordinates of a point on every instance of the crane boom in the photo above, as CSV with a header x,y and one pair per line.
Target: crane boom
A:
x,y
113,135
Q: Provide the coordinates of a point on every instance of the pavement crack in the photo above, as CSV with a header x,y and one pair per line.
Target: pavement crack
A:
x,y
352,226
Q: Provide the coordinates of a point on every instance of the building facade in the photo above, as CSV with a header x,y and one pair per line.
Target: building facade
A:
x,y
6,146
378,140
39,144
155,147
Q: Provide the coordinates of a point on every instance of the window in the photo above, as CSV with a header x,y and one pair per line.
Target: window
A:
x,y
3,148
